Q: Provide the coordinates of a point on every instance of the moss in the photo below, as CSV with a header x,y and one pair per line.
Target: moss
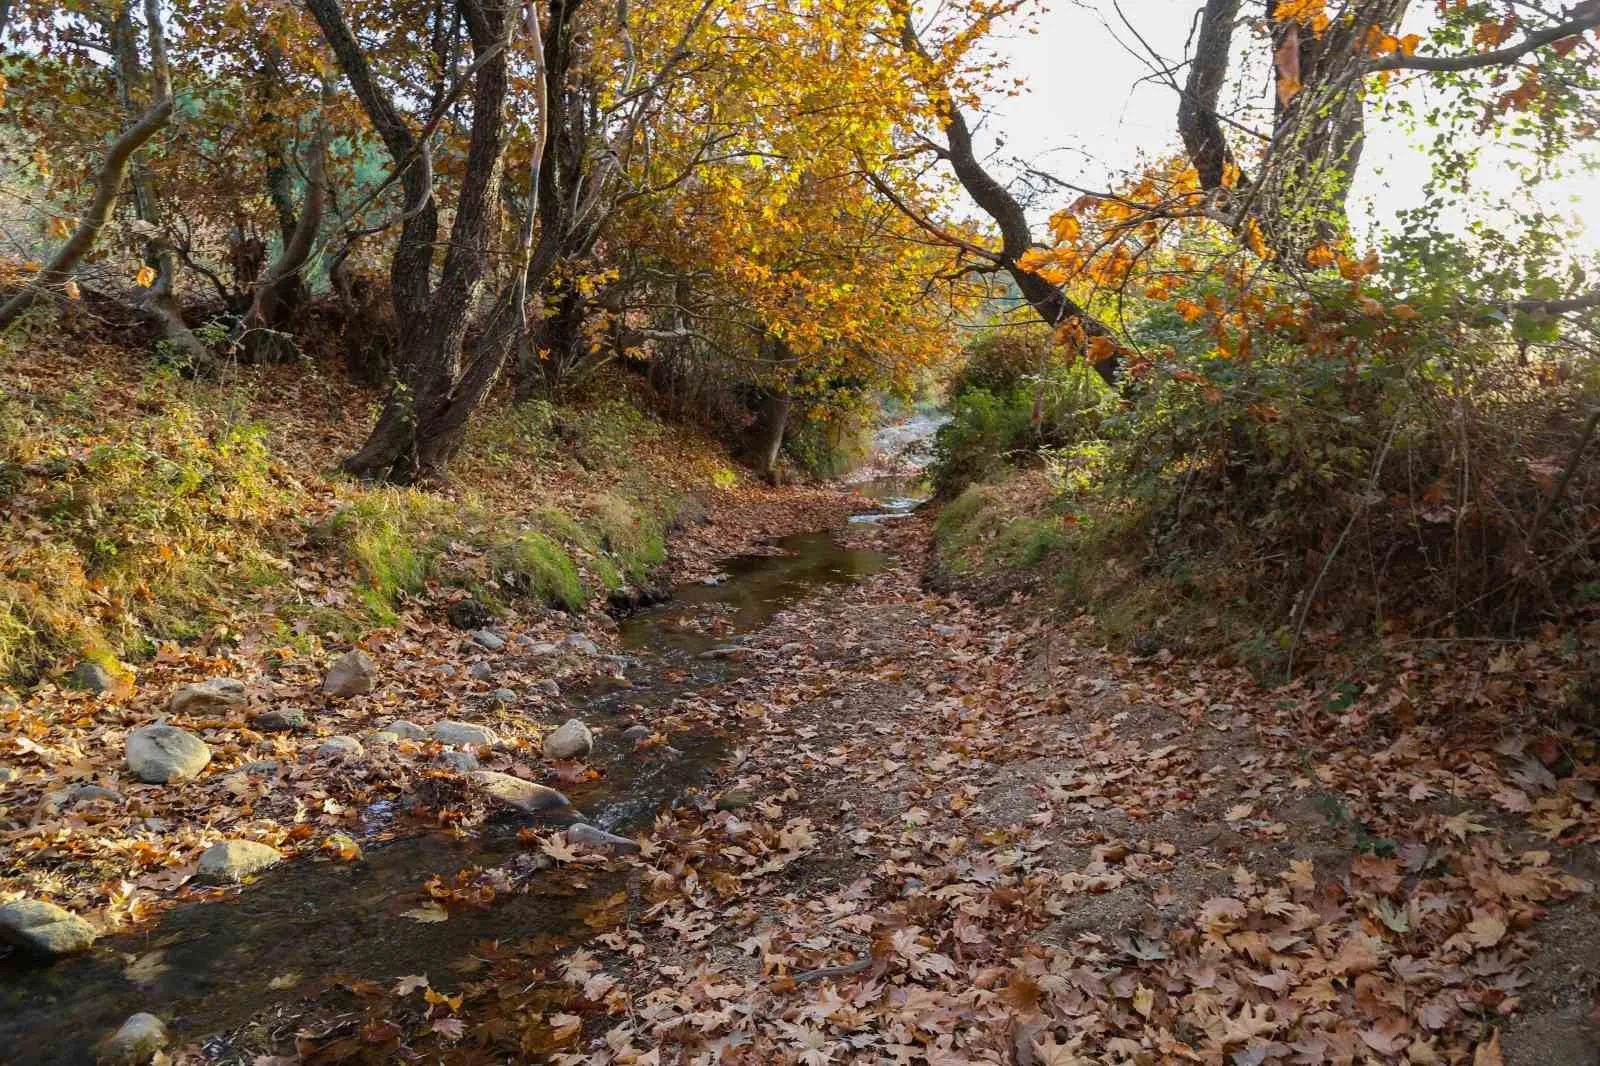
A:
x,y
634,537
392,537
533,564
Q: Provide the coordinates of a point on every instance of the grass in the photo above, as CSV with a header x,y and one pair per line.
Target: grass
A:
x,y
533,564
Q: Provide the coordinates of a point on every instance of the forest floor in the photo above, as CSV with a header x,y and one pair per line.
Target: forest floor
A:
x,y
956,834
947,830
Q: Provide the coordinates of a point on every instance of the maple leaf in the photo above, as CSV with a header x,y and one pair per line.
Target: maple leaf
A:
x,y
1488,1052
409,984
1049,1052
450,1028
1485,930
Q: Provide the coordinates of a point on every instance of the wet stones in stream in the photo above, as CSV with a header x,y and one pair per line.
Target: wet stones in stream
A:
x,y
135,1043
162,754
463,733
573,740
517,793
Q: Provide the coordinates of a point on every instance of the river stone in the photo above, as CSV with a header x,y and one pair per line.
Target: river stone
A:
x,y
215,694
92,677
488,638
76,794
352,674
339,747
234,860
266,766
8,775
579,642
549,688
43,928
288,720
136,1043
515,792
573,740
481,672
635,733
542,648
791,648
405,730
162,754
449,732
586,835
462,762
505,696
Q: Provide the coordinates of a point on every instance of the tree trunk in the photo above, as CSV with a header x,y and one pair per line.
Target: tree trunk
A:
x,y
422,421
777,425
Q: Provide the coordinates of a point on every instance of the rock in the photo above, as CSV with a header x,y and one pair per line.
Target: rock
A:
x,y
216,694
383,738
549,688
580,643
791,648
542,648
8,775
635,733
468,614
727,651
691,511
405,730
352,674
340,748
43,928
162,754
136,1043
76,794
505,696
585,835
713,580
515,792
461,762
92,677
481,672
266,766
344,846
288,720
611,683
234,860
448,732
735,800
946,631
573,740
488,638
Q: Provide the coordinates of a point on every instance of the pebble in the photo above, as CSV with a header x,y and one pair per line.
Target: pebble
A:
x,y
136,1042
586,835
8,775
76,794
339,747
405,730
448,732
579,642
573,740
92,677
635,733
549,688
505,696
289,720
540,647
481,672
488,638
462,762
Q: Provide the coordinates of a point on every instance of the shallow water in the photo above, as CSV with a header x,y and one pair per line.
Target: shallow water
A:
x,y
207,967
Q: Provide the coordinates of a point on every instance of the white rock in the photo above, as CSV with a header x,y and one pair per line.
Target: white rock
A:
x,y
339,747
352,674
234,860
136,1043
405,730
161,754
219,693
586,835
44,928
573,740
449,732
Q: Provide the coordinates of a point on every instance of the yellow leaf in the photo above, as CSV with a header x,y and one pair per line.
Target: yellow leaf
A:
x,y
71,289
146,276
1488,1052
1144,1000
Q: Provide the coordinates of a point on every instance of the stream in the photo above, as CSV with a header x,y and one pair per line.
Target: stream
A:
x,y
208,967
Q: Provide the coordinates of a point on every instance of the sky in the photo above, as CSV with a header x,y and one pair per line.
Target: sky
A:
x,y
1086,113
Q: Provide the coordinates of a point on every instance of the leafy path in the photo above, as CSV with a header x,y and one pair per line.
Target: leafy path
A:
x,y
961,834
956,838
